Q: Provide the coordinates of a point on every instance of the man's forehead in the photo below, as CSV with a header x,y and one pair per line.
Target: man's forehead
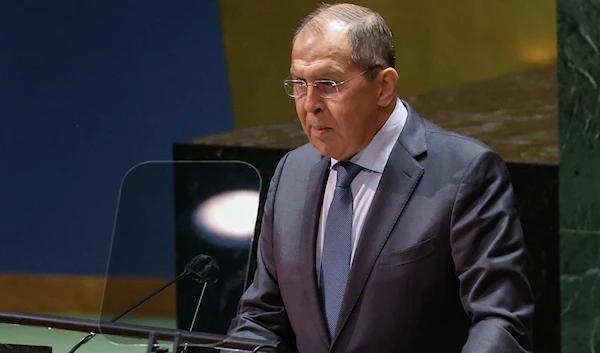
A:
x,y
316,68
326,50
333,32
320,62
312,47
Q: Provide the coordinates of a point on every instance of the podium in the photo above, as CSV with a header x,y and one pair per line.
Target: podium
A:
x,y
178,339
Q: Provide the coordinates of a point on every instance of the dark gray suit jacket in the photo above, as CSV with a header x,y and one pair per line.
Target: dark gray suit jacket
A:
x,y
439,266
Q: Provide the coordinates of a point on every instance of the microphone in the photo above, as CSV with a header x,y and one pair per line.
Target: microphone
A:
x,y
202,268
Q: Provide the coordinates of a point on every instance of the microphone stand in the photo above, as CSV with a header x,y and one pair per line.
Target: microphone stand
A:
x,y
91,335
184,350
198,306
203,267
142,301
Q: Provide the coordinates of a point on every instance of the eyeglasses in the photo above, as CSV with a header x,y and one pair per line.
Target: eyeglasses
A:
x,y
326,88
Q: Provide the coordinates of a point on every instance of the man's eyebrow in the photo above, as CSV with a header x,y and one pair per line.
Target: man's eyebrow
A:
x,y
329,73
320,75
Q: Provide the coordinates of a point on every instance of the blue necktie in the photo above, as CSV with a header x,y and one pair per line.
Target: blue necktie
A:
x,y
337,245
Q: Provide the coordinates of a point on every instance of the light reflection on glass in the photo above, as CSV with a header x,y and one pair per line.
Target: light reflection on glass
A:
x,y
231,214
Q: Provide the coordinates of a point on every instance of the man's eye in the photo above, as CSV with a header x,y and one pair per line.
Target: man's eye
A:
x,y
327,83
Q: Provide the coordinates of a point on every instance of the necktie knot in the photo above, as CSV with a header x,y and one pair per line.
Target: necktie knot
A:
x,y
346,171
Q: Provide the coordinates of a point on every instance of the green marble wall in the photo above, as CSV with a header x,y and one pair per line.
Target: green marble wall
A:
x,y
579,126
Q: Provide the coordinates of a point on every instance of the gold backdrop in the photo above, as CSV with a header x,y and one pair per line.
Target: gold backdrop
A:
x,y
439,44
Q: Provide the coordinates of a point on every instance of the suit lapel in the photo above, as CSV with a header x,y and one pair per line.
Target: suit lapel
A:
x,y
312,211
399,179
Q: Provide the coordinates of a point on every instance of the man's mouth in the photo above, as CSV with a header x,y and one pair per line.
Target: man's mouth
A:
x,y
319,130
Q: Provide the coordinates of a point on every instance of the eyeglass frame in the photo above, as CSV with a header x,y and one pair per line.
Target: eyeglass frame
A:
x,y
316,82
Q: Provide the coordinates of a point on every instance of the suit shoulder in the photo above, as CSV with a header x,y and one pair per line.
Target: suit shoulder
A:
x,y
449,142
305,155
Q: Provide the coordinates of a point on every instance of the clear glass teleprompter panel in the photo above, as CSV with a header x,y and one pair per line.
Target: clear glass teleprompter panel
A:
x,y
168,213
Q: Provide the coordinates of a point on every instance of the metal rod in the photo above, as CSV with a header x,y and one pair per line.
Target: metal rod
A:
x,y
128,330
142,301
198,307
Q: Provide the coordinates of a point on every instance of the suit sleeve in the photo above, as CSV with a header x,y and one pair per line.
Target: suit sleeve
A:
x,y
262,301
489,256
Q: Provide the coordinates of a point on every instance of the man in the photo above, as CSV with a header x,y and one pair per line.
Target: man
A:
x,y
386,233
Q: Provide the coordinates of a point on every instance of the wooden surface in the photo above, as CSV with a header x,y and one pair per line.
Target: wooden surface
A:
x,y
51,294
516,115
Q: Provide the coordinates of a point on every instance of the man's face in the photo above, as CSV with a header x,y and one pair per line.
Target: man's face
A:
x,y
342,125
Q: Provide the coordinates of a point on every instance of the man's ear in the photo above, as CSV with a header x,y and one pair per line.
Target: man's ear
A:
x,y
388,79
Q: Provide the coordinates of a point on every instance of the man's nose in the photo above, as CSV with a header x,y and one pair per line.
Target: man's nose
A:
x,y
313,102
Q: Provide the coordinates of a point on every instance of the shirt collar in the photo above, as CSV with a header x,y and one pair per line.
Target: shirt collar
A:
x,y
374,157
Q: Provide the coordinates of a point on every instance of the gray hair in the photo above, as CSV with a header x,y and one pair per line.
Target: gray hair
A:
x,y
370,38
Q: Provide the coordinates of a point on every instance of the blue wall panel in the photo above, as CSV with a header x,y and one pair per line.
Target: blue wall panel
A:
x,y
87,90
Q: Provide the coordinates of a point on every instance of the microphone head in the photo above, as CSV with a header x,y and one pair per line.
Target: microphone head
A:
x,y
203,268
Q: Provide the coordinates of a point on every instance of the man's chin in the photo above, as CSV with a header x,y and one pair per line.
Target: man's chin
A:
x,y
326,149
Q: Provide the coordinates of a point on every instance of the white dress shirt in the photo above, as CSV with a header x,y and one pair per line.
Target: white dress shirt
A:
x,y
372,159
